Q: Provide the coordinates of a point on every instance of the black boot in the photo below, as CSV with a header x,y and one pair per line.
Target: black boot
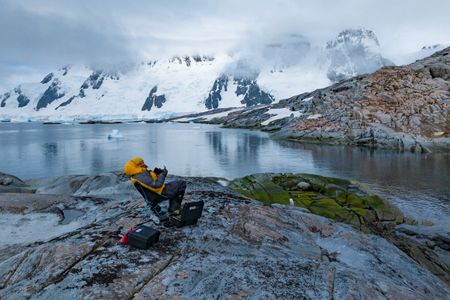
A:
x,y
175,202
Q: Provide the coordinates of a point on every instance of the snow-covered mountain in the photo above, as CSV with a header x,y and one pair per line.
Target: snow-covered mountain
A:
x,y
353,52
185,84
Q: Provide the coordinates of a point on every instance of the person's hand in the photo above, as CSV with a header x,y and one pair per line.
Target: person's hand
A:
x,y
158,171
164,171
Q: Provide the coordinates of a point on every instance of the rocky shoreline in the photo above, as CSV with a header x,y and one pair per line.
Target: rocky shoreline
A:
x,y
60,239
405,108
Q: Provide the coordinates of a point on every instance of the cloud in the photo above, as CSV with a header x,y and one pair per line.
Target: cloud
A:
x,y
50,33
34,37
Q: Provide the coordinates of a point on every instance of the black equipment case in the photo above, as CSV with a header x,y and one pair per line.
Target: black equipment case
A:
x,y
143,237
190,213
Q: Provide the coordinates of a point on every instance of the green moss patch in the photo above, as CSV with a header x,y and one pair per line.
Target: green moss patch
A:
x,y
334,198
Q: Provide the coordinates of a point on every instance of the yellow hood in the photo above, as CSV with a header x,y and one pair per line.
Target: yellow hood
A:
x,y
131,168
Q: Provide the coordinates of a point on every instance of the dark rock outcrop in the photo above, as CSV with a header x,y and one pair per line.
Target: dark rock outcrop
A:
x,y
47,78
153,99
249,89
95,80
67,102
214,97
52,93
22,100
3,99
65,70
253,94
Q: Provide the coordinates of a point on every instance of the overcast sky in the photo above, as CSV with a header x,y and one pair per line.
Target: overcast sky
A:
x,y
38,36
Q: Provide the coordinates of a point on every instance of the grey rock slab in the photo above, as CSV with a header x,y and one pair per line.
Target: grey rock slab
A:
x,y
26,203
62,185
240,248
11,180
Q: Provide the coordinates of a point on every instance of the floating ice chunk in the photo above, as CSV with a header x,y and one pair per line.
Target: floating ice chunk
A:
x,y
115,134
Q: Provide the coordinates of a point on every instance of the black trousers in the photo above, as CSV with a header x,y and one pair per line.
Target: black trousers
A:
x,y
174,190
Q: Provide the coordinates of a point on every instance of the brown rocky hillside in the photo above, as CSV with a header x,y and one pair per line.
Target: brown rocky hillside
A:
x,y
405,108
400,107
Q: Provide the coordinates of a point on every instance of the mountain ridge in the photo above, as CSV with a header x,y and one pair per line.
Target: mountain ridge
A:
x,y
191,83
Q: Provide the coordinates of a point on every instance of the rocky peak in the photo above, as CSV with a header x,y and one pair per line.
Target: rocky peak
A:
x,y
189,59
354,52
355,37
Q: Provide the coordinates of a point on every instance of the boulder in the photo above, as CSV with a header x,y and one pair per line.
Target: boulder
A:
x,y
303,185
12,184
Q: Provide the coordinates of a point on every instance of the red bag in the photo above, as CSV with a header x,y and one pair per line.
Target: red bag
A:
x,y
124,239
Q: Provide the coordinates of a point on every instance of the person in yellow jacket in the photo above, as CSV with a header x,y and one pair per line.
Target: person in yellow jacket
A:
x,y
154,181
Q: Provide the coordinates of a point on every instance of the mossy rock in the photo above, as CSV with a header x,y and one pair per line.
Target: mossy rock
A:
x,y
335,198
329,208
304,199
262,188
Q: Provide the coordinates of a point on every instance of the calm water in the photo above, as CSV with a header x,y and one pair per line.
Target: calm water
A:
x,y
419,184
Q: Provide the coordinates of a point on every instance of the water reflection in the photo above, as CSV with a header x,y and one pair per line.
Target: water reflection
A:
x,y
237,151
50,150
82,146
387,168
202,150
97,159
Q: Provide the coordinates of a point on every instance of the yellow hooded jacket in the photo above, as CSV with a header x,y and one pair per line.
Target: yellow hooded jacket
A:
x,y
131,168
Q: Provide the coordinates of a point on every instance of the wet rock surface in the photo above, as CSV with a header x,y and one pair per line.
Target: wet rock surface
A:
x,y
240,248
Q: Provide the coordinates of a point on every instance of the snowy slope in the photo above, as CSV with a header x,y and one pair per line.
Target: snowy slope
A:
x,y
178,85
425,51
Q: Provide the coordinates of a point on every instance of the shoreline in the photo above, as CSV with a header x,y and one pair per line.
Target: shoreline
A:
x,y
400,143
